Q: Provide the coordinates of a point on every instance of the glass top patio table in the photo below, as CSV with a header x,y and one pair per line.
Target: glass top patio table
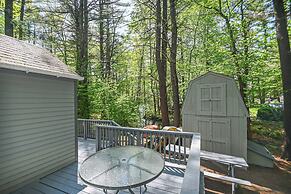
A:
x,y
120,168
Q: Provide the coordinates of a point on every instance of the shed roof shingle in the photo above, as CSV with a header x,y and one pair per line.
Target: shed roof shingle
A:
x,y
19,55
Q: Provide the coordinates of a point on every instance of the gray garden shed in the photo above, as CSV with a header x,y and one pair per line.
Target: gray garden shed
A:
x,y
213,107
37,113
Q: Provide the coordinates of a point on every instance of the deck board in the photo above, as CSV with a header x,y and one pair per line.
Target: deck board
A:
x,y
66,180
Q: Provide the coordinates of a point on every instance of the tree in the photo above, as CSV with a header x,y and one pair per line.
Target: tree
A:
x,y
101,39
161,63
173,56
9,17
82,57
285,62
21,17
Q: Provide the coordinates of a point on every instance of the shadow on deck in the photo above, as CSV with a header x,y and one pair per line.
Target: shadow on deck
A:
x,y
67,180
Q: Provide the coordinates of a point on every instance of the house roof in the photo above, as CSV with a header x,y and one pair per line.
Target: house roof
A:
x,y
22,56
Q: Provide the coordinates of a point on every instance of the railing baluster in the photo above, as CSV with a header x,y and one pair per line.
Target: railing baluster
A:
x,y
160,144
97,145
142,138
89,129
175,148
114,138
122,138
107,138
151,140
179,142
109,143
129,138
92,130
84,130
133,138
169,144
104,139
184,151
126,138
165,141
138,138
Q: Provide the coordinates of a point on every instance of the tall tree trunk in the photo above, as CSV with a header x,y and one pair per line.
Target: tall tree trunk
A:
x,y
81,15
29,32
86,59
245,68
245,25
9,17
140,77
160,65
285,62
108,46
174,78
34,34
21,18
101,38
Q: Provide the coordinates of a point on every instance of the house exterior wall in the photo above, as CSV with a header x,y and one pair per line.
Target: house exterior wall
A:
x,y
37,127
229,126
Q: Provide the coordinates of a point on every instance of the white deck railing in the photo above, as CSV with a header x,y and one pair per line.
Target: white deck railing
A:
x,y
86,127
108,134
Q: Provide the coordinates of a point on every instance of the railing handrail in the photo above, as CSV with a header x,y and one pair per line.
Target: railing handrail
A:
x,y
97,120
182,134
191,180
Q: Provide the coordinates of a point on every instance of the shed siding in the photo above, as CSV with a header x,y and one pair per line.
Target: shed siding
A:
x,y
235,112
37,127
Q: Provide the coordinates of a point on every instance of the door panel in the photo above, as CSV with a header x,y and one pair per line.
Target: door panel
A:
x,y
220,129
215,134
204,129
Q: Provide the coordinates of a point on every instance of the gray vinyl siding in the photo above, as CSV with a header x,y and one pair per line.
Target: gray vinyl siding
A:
x,y
37,126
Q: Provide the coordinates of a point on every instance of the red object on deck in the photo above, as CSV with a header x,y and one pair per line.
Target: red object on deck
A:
x,y
152,127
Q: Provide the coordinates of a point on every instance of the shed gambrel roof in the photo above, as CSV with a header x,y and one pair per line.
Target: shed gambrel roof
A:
x,y
22,56
210,73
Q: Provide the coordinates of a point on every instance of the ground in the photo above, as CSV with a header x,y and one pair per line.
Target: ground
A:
x,y
264,180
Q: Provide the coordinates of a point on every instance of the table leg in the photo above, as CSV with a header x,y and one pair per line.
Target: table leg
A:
x,y
117,192
231,173
105,190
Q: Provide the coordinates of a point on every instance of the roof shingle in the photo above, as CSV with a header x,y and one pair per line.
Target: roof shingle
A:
x,y
19,55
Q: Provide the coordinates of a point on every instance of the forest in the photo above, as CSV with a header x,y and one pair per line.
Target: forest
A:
x,y
137,57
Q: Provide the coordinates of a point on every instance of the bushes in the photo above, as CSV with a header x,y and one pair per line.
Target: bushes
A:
x,y
269,113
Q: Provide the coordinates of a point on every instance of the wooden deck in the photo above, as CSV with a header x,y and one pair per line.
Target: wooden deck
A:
x,y
67,180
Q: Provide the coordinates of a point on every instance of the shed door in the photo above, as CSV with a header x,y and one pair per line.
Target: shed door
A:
x,y
215,134
212,99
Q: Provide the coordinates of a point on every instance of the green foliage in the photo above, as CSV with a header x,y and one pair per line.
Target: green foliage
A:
x,y
253,112
269,113
269,133
109,103
1,16
268,129
204,44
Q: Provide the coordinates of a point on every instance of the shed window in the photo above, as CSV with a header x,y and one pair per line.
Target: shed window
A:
x,y
211,99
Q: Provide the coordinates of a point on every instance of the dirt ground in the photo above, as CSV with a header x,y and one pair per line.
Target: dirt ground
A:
x,y
264,180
